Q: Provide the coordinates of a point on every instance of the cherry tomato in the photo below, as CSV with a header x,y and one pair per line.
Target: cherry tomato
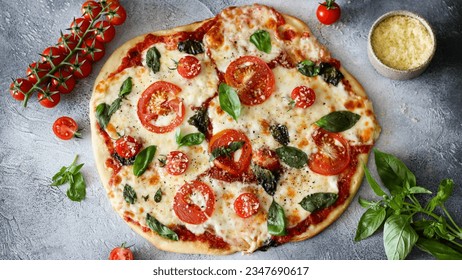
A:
x,y
303,96
333,154
90,9
53,54
252,78
194,202
127,147
104,32
160,100
121,253
229,164
80,66
50,97
116,14
79,26
65,128
63,81
19,87
37,70
177,163
267,159
246,205
93,49
68,42
328,12
189,67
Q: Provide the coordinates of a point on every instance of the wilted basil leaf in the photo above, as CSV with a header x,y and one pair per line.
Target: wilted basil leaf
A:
x,y
330,74
161,229
226,151
129,194
267,179
153,59
280,133
308,68
191,46
318,201
338,121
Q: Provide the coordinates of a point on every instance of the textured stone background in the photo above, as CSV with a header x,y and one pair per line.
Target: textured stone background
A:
x,y
420,118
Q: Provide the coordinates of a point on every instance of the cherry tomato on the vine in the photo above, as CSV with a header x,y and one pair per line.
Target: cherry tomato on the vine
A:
x,y
63,81
121,253
49,97
91,9
104,32
79,26
116,14
80,66
328,12
53,55
37,70
19,87
66,128
68,42
93,49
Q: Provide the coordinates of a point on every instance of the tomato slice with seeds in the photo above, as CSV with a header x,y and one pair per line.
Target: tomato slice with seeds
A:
x,y
246,205
230,164
194,202
159,102
333,154
189,67
65,128
127,146
252,78
303,96
177,163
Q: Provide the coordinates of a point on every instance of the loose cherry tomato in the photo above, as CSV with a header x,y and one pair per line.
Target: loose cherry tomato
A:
x,y
333,154
127,147
19,87
229,164
90,9
177,163
53,55
252,78
68,42
65,128
81,67
93,49
194,202
79,26
63,81
303,96
50,97
267,159
246,205
104,32
328,12
116,14
160,100
189,67
37,70
121,253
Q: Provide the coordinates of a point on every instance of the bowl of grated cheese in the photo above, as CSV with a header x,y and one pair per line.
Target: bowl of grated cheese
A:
x,y
401,45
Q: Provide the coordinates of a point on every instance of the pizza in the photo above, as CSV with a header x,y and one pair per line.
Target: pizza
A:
x,y
237,133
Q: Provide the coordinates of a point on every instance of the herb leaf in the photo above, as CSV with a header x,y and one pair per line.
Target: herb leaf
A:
x,y
200,120
122,160
226,151
153,59
102,115
158,196
316,201
369,222
104,112
292,156
276,220
444,191
143,159
374,185
338,121
77,188
71,174
393,172
129,194
280,133
161,229
267,179
330,74
308,68
189,139
229,100
126,87
191,47
398,237
262,40
438,250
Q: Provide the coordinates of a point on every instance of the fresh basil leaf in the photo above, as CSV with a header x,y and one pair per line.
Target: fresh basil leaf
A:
x,y
374,185
189,139
280,133
126,87
77,188
229,101
366,203
122,160
158,196
129,194
317,201
226,151
370,222
396,202
191,47
330,74
143,159
419,190
267,179
393,172
153,59
276,220
102,115
74,169
115,105
200,119
444,192
398,237
59,178
262,40
438,249
161,229
308,68
338,121
292,156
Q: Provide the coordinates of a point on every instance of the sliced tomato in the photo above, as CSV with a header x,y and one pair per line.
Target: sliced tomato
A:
x,y
93,49
19,88
68,42
104,32
37,70
189,67
230,164
160,100
267,159
63,81
127,146
53,55
246,205
333,154
252,78
177,163
116,14
303,96
49,97
121,253
194,202
91,9
80,66
79,26
65,128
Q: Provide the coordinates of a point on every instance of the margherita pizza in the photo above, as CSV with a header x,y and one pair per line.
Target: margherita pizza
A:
x,y
232,134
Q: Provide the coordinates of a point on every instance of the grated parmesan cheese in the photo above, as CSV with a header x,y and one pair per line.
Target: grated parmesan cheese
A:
x,y
402,42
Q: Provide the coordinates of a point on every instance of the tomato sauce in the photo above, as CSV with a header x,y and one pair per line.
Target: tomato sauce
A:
x,y
211,239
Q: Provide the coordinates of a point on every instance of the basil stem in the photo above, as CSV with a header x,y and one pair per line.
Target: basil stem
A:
x,y
229,100
338,121
143,159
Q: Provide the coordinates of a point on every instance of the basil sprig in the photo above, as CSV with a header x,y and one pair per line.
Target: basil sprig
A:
x,y
308,68
143,159
338,121
104,111
229,100
262,40
71,174
191,47
276,220
129,194
317,201
153,59
226,151
292,156
190,139
161,229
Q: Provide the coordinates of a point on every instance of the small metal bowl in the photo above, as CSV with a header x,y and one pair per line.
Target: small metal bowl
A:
x,y
392,73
